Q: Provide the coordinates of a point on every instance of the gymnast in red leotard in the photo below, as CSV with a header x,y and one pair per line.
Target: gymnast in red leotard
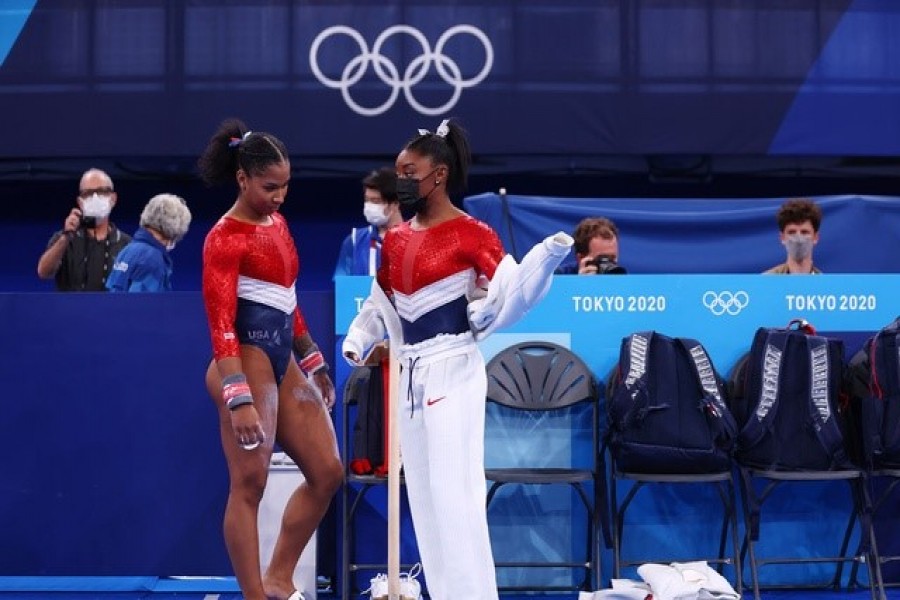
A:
x,y
430,299
250,267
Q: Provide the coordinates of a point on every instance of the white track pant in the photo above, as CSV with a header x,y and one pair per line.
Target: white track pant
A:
x,y
442,444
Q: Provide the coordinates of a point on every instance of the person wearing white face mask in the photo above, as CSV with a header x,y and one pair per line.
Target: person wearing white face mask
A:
x,y
798,221
144,265
81,255
361,250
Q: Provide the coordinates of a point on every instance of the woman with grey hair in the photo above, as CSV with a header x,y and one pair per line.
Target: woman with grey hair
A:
x,y
144,265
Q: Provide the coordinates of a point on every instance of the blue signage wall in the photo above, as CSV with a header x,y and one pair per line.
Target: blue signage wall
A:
x,y
721,311
112,463
590,315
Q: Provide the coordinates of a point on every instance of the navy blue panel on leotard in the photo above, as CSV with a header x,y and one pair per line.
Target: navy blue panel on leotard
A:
x,y
448,318
267,328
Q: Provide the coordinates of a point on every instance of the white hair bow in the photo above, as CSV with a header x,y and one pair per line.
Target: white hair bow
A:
x,y
442,130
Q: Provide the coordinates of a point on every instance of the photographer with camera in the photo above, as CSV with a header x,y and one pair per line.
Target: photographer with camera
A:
x,y
596,249
81,255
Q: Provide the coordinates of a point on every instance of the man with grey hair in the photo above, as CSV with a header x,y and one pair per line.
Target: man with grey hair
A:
x,y
80,256
144,265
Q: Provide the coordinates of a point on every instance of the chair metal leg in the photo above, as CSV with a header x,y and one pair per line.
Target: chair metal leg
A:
x,y
729,505
723,536
845,543
348,540
872,557
620,521
747,545
616,529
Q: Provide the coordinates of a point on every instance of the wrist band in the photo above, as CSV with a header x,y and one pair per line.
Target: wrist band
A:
x,y
236,391
313,363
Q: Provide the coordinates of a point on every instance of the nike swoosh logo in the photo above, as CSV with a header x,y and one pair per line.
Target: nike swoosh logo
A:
x,y
431,401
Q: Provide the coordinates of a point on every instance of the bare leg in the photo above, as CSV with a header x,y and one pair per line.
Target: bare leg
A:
x,y
248,470
306,434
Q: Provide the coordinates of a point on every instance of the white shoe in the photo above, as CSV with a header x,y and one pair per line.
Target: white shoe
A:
x,y
378,587
410,588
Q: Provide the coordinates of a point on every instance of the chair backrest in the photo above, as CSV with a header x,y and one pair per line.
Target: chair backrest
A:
x,y
539,375
542,408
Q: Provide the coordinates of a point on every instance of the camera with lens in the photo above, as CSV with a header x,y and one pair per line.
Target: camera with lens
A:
x,y
606,265
88,223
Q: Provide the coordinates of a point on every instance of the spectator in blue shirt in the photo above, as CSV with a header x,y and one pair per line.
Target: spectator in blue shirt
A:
x,y
144,265
361,250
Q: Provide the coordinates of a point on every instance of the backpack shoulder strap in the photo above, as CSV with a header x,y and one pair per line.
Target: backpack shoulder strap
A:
x,y
823,418
632,395
765,407
717,414
635,358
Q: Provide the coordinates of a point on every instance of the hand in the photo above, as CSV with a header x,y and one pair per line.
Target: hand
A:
x,y
352,357
247,429
70,225
378,353
587,266
326,388
481,314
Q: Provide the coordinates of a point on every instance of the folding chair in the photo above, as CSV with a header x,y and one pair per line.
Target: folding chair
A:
x,y
723,484
860,513
535,388
355,490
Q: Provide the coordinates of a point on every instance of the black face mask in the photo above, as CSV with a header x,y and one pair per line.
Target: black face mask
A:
x,y
408,193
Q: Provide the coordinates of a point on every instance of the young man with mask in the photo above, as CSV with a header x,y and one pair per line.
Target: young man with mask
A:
x,y
798,221
361,250
81,255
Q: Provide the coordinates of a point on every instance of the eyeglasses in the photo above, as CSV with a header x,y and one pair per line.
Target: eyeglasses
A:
x,y
102,191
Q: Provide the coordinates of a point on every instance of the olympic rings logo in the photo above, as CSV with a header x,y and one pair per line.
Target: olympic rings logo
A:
x,y
726,302
389,73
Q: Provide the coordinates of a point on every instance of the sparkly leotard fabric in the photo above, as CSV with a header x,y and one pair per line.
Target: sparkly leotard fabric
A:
x,y
256,263
430,272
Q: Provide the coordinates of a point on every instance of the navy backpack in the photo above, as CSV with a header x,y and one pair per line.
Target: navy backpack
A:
x,y
666,408
785,396
873,385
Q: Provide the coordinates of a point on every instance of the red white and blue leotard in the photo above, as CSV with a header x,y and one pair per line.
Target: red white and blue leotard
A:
x,y
429,273
249,273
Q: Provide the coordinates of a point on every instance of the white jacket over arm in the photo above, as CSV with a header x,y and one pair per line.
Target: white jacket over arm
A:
x,y
516,288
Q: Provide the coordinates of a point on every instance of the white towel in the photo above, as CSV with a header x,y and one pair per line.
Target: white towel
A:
x,y
622,589
686,581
